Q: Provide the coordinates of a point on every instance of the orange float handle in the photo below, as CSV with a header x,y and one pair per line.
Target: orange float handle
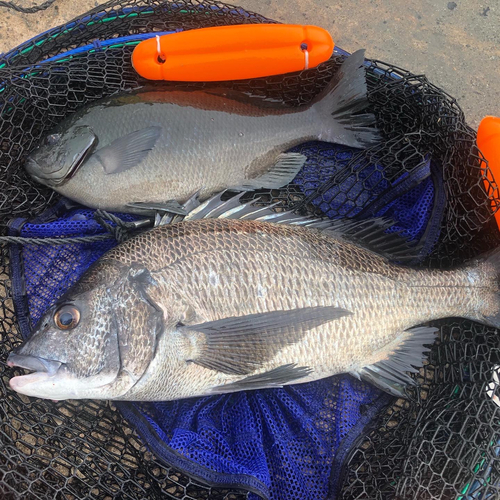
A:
x,y
232,52
488,141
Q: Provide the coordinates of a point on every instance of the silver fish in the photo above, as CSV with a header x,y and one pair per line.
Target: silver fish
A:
x,y
161,147
221,305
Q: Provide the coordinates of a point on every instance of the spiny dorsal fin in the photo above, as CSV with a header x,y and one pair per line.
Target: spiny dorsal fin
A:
x,y
372,233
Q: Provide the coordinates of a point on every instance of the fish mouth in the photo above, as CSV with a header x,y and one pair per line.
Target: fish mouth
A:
x,y
56,177
42,163
42,368
34,363
49,180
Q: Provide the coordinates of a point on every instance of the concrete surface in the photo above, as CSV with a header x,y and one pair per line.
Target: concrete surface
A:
x,y
455,43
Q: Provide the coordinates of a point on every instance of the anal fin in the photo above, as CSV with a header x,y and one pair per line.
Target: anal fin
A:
x,y
284,170
278,377
407,356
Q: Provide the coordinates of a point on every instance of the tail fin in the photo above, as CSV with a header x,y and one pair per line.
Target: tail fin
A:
x,y
344,99
490,266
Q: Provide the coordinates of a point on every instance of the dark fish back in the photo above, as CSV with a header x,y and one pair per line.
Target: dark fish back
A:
x,y
165,245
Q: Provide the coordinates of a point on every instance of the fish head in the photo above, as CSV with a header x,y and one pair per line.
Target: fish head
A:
x,y
95,343
61,154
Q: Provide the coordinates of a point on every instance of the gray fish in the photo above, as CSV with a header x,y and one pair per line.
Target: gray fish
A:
x,y
161,147
210,306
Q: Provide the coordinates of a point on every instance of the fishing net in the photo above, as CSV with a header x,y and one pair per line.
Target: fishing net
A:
x,y
445,442
427,175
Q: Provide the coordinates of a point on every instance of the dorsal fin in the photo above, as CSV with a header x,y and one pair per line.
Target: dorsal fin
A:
x,y
377,235
373,234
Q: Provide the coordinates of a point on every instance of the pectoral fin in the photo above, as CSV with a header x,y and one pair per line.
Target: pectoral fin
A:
x,y
128,151
284,170
240,345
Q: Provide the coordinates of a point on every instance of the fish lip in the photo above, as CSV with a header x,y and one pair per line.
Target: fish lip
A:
x,y
34,363
17,383
51,179
36,173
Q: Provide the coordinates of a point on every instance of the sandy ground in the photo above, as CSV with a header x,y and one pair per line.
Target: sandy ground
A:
x,y
456,44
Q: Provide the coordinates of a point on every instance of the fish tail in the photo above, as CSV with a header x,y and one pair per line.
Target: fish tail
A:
x,y
490,302
345,100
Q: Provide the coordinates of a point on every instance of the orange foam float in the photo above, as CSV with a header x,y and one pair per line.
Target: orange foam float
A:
x,y
488,141
232,52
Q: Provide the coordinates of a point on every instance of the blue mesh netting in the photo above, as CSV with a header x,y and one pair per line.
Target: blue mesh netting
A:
x,y
286,443
352,192
50,271
286,438
365,191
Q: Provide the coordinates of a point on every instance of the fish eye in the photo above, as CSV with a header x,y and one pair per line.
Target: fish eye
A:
x,y
67,317
53,139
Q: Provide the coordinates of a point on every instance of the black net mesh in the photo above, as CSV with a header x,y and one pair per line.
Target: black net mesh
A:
x,y
446,442
434,446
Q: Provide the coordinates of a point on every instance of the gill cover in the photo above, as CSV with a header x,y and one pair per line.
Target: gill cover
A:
x,y
139,322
